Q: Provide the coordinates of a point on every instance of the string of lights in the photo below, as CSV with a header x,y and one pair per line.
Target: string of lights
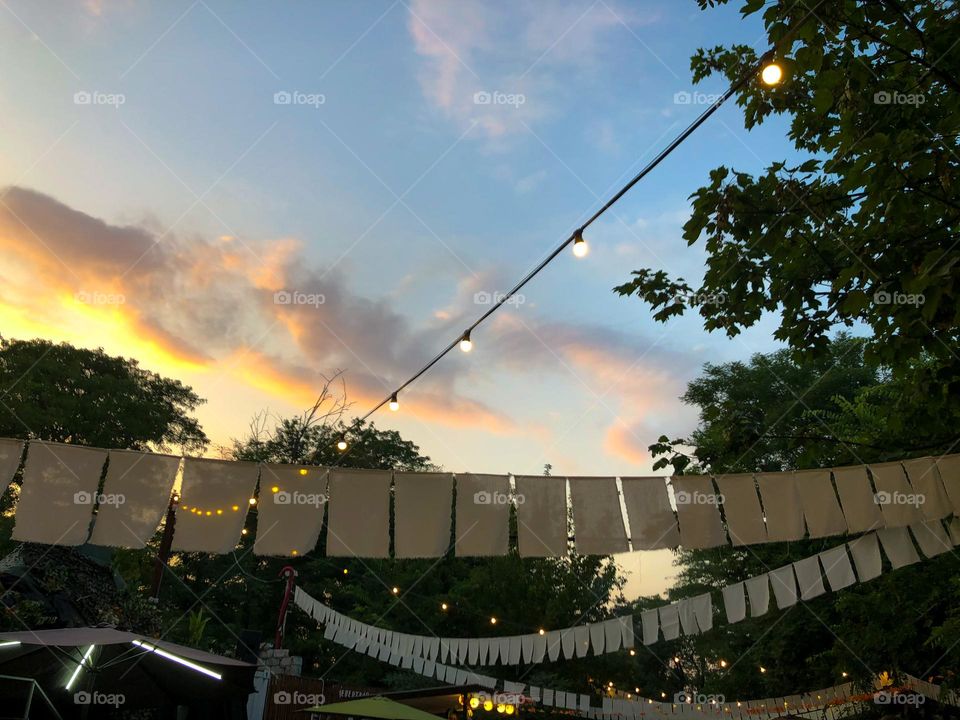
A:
x,y
770,73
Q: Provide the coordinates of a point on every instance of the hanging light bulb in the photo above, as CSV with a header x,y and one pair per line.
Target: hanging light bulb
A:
x,y
488,705
493,621
395,590
762,669
444,606
771,74
474,702
632,652
303,471
580,247
252,501
542,631
509,709
394,404
342,444
465,343
723,663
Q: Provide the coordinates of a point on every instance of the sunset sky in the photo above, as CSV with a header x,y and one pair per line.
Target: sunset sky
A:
x,y
159,193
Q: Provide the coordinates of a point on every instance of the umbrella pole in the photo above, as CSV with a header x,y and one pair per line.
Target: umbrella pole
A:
x,y
291,576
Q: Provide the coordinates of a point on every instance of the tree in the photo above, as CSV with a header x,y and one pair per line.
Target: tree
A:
x,y
861,229
776,413
73,395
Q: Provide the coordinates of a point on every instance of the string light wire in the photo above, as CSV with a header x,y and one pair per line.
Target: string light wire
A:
x,y
577,235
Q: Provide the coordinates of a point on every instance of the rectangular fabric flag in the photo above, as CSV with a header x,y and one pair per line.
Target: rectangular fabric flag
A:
x,y
483,515
554,644
734,602
10,453
424,505
931,537
821,510
581,639
598,637
698,513
541,516
758,591
741,508
837,568
784,586
688,623
59,489
949,468
925,479
898,546
626,631
897,500
702,606
539,647
809,577
597,519
650,624
670,621
781,506
857,498
866,556
653,524
290,511
218,494
358,519
140,484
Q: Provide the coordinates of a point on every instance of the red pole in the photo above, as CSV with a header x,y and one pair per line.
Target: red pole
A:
x,y
291,575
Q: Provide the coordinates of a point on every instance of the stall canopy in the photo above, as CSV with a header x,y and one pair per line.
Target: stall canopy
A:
x,y
373,707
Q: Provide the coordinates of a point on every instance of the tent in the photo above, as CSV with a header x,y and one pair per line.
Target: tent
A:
x,y
380,708
98,667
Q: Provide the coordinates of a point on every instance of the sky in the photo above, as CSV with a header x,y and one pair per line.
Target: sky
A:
x,y
251,197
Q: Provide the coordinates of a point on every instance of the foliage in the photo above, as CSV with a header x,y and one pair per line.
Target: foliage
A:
x,y
861,229
73,395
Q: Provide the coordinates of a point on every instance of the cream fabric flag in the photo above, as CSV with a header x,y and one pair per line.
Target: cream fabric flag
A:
x,y
516,649
598,637
541,516
669,621
358,519
424,504
554,644
819,502
741,507
652,523
650,625
597,519
931,537
539,647
697,512
898,546
218,494
949,467
59,489
526,646
581,638
857,499
836,566
568,642
613,635
758,590
483,515
923,476
688,623
10,454
702,606
626,631
866,556
290,511
809,577
896,498
781,506
734,602
784,586
145,482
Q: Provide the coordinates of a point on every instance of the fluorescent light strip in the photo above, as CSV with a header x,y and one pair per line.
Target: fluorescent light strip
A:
x,y
76,673
9,643
170,656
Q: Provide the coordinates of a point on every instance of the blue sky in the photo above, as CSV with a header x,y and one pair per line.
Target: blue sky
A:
x,y
388,186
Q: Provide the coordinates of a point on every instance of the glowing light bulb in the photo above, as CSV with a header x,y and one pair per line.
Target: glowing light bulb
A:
x,y
303,471
235,508
580,247
632,653
466,344
509,710
346,571
208,513
723,663
342,444
762,669
394,403
252,501
488,705
219,511
493,621
771,74
244,531
275,489
395,590
443,606
294,552
501,708
542,631
474,703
